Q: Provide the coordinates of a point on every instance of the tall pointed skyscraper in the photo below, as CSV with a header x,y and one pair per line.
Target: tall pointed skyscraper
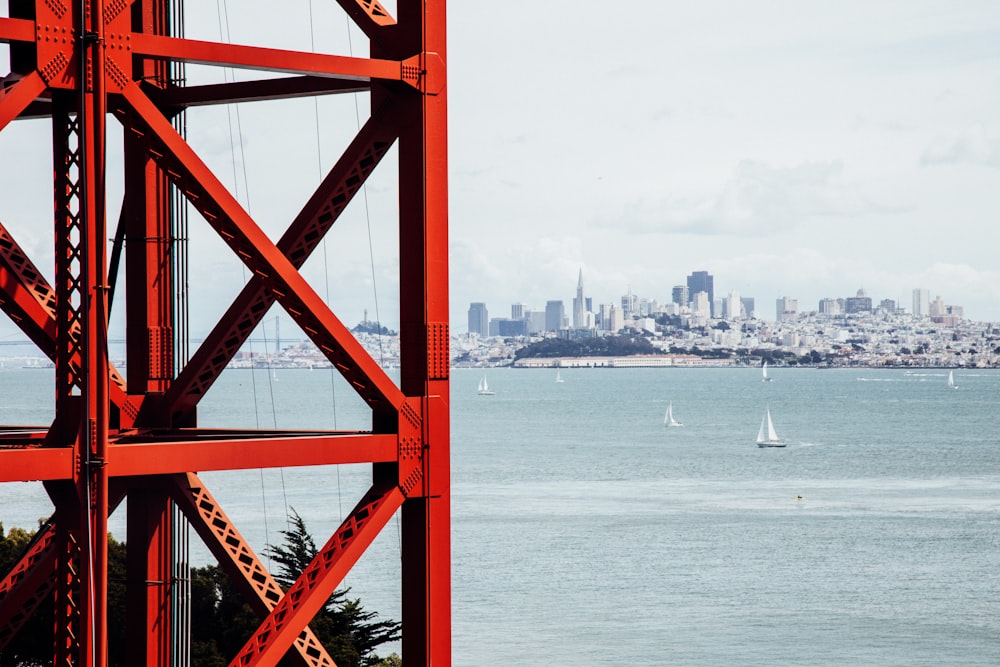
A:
x,y
579,305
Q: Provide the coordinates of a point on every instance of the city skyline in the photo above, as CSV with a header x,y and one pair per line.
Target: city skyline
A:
x,y
922,301
806,150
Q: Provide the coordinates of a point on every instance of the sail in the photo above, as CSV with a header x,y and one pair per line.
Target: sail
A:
x,y
766,435
668,419
772,435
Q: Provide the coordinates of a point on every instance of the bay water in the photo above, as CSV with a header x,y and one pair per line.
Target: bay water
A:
x,y
586,533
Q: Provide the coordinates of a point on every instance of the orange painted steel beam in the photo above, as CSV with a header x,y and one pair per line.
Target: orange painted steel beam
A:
x,y
16,30
369,15
16,98
253,57
254,452
36,464
303,236
27,584
318,581
238,230
260,90
30,302
237,558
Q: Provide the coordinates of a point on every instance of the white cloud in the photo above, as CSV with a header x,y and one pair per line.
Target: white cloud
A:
x,y
975,145
758,200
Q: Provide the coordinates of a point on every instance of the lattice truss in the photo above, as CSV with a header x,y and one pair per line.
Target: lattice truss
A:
x,y
136,440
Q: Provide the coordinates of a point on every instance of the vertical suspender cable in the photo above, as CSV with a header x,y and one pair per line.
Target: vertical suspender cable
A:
x,y
178,211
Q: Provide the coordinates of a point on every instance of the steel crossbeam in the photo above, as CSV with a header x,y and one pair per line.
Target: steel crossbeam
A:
x,y
81,65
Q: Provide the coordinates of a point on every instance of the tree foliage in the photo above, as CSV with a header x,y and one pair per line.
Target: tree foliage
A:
x,y
616,346
221,621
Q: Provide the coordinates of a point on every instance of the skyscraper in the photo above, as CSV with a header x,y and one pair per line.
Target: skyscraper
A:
x,y
862,303
702,281
733,306
786,308
555,313
630,305
681,296
479,319
579,305
921,302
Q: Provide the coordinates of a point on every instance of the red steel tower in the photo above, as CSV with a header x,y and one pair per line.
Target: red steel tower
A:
x,y
134,437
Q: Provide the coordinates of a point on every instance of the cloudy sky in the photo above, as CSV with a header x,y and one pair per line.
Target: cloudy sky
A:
x,y
805,149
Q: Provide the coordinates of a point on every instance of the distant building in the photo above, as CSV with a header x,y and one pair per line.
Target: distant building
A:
x,y
702,281
579,305
479,319
921,302
630,305
786,308
732,307
680,296
888,306
508,328
862,303
700,305
517,311
555,314
616,320
830,306
535,321
749,307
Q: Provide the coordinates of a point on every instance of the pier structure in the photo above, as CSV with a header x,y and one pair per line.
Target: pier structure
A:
x,y
131,437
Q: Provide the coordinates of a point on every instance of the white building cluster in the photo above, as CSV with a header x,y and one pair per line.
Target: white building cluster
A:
x,y
850,330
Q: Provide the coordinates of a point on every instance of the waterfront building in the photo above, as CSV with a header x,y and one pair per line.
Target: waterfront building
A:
x,y
555,314
702,281
479,319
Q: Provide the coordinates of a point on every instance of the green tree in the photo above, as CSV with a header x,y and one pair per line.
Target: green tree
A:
x,y
221,621
348,632
32,645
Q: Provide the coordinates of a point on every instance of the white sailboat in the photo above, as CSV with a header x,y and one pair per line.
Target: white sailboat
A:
x,y
767,436
951,380
484,387
763,370
559,377
668,419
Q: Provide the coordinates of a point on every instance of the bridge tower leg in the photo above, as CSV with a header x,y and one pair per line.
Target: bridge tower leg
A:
x,y
134,437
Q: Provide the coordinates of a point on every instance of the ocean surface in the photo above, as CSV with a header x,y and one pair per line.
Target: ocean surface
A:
x,y
586,533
